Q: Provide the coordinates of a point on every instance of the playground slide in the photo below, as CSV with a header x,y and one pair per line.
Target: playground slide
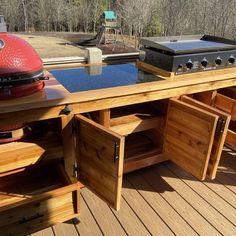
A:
x,y
95,40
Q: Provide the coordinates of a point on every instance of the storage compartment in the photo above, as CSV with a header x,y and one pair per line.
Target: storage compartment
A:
x,y
43,143
142,125
36,198
143,149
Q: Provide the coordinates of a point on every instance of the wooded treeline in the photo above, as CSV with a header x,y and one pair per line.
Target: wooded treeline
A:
x,y
137,17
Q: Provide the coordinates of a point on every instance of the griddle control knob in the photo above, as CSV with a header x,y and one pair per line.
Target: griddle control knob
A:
x,y
231,60
204,62
180,67
189,64
218,61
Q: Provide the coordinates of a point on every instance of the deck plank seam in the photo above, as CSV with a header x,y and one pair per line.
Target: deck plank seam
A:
x,y
92,215
151,207
200,195
156,172
76,229
137,215
170,206
220,195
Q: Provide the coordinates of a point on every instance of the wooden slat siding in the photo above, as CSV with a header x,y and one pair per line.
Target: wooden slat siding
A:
x,y
190,144
44,232
65,229
208,212
209,196
147,215
105,218
87,224
178,203
178,225
130,221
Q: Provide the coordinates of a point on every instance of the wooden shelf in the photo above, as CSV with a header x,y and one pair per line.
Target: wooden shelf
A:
x,y
128,124
141,151
28,151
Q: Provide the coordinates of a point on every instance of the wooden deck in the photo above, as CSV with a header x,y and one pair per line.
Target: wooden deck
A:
x,y
161,200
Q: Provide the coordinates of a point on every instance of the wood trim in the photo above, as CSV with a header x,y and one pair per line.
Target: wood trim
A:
x,y
68,146
231,138
226,104
104,117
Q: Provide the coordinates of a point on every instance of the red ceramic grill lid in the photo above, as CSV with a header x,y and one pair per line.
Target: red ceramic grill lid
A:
x,y
21,68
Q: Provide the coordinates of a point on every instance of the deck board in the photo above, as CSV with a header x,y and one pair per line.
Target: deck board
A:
x,y
161,200
106,219
161,206
86,224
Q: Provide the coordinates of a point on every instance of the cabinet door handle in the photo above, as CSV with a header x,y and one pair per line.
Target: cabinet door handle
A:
x,y
116,151
30,218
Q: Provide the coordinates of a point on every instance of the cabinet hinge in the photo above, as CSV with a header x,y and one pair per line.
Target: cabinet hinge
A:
x,y
116,151
220,126
76,170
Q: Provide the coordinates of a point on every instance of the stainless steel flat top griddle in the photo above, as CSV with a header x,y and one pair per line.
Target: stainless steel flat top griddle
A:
x,y
181,54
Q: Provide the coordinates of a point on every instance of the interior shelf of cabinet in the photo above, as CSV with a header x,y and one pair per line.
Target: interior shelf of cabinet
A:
x,y
133,123
142,150
32,181
134,118
29,151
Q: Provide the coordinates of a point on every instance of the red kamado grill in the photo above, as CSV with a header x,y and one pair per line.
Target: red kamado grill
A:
x,y
21,74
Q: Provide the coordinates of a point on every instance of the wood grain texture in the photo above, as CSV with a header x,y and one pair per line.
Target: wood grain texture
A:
x,y
226,104
99,169
68,140
128,124
189,137
219,137
231,138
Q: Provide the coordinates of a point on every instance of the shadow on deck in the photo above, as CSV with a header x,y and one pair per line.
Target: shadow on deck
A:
x,y
161,200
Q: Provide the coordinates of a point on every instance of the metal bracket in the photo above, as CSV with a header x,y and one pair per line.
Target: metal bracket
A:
x,y
116,151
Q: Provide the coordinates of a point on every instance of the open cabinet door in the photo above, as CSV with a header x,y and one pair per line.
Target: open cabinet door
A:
x,y
220,134
189,137
100,156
